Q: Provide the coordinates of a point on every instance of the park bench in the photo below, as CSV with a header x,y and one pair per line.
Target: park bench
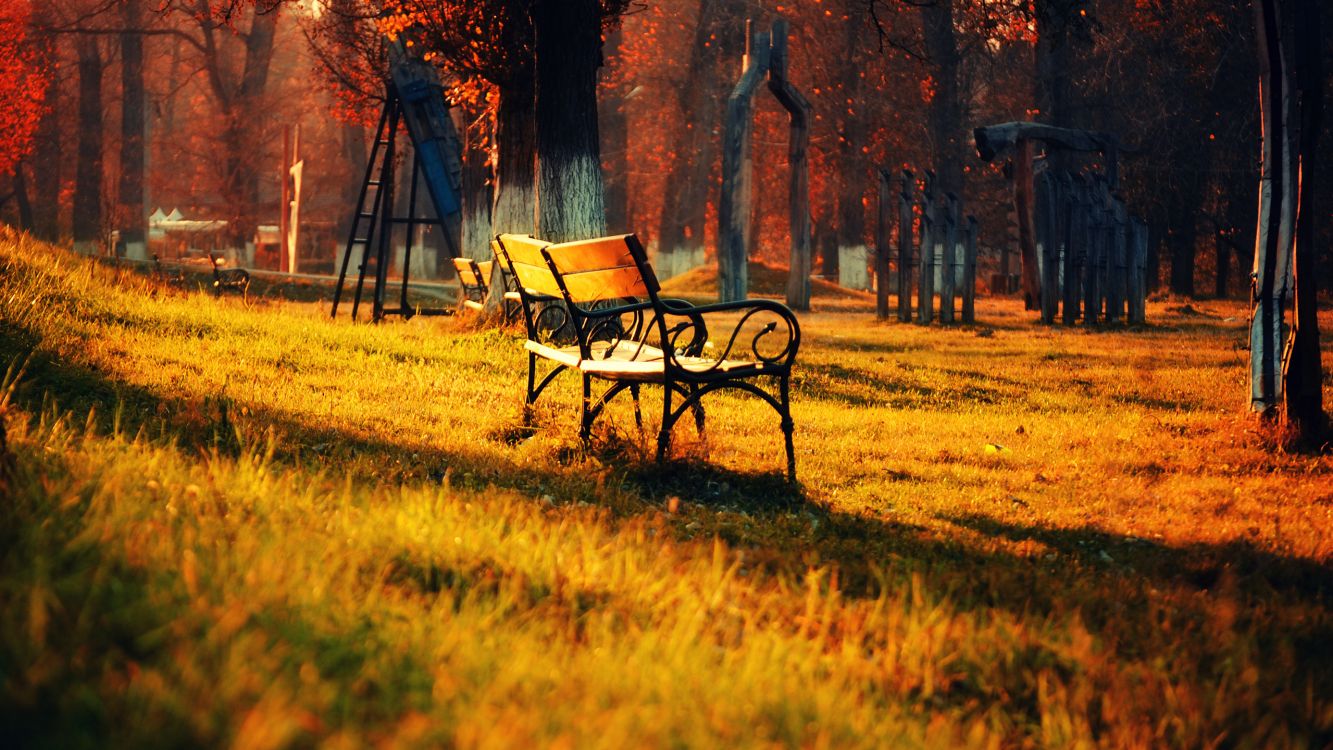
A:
x,y
474,282
624,333
229,278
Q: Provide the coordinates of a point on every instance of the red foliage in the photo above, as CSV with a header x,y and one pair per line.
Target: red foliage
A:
x,y
23,83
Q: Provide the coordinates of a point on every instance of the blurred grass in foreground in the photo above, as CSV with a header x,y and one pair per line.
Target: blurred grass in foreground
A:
x,y
255,527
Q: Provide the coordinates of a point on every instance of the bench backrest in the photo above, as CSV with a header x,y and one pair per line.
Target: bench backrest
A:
x,y
472,273
524,257
606,268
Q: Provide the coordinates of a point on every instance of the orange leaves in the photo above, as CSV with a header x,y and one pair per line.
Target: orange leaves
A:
x,y
928,89
23,82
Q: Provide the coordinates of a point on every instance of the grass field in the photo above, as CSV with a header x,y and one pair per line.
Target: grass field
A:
x,y
250,526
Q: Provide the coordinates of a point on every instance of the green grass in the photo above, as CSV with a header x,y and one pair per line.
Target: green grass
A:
x,y
249,525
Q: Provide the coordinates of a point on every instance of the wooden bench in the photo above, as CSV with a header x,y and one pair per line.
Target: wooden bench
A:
x,y
474,282
626,334
230,278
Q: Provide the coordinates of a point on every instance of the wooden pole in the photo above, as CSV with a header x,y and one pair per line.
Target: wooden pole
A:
x,y
1115,301
1072,209
970,272
905,220
798,110
1023,206
734,206
925,299
882,230
1137,271
949,259
1048,245
284,199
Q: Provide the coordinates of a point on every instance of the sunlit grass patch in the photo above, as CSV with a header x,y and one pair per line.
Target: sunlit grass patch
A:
x,y
250,525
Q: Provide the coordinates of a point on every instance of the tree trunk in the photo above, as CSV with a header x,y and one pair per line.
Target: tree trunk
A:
x,y
477,190
133,218
515,207
570,194
1188,202
853,176
1302,372
46,159
681,227
88,173
1269,274
614,127
945,115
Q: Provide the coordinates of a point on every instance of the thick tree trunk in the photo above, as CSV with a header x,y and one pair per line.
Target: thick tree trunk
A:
x,y
1184,237
478,190
1302,372
133,219
570,194
46,159
681,228
614,127
88,172
1269,275
515,207
945,112
854,177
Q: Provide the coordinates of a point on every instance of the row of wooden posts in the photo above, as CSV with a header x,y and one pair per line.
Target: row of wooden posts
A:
x,y
945,246
1092,255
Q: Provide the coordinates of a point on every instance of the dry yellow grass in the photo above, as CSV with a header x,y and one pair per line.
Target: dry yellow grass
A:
x,y
253,526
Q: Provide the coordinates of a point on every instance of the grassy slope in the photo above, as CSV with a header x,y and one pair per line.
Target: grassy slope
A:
x,y
256,526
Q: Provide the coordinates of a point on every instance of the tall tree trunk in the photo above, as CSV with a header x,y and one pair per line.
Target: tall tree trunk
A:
x,y
477,189
515,208
133,218
1272,232
46,159
685,197
1183,241
614,127
1302,372
945,114
853,176
570,194
88,173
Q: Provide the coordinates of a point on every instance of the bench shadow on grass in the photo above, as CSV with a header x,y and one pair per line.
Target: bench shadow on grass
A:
x,y
774,523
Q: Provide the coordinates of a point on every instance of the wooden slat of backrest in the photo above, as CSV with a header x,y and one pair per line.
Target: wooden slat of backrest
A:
x,y
485,267
598,269
605,284
525,257
591,255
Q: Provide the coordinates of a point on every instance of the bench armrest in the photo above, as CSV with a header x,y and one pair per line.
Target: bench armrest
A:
x,y
766,333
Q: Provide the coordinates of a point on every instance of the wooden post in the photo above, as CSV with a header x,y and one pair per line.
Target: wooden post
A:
x,y
284,198
734,206
926,291
1137,272
1072,208
905,221
1049,246
882,229
798,110
1023,206
1092,262
1115,296
949,259
970,272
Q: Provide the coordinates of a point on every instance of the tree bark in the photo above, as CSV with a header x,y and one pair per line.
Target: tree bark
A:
x,y
1269,275
88,172
945,112
614,127
570,192
681,226
853,176
133,218
1302,371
